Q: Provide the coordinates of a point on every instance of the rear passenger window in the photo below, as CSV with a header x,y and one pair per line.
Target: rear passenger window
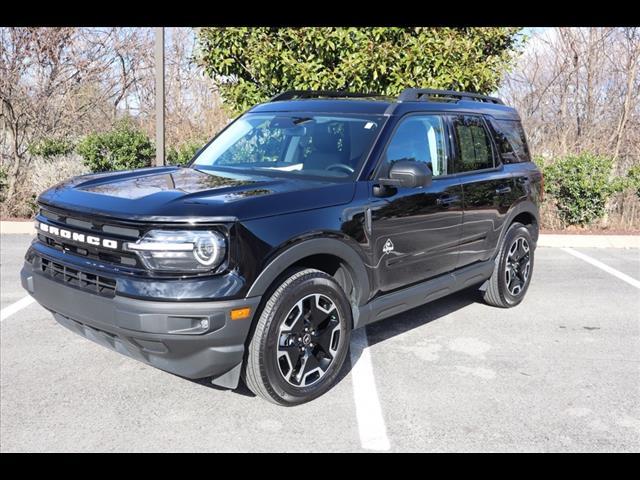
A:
x,y
511,141
474,144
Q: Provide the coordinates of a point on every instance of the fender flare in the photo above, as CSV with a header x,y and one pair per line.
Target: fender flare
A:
x,y
525,206
316,246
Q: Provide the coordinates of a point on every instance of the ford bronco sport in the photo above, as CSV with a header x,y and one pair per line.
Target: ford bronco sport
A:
x,y
308,216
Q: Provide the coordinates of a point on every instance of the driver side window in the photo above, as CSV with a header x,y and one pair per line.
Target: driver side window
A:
x,y
419,138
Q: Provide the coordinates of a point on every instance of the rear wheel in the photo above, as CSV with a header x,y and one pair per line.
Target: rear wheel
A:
x,y
513,268
301,339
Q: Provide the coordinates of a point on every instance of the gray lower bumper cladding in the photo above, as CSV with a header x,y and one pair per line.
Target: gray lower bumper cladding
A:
x,y
190,339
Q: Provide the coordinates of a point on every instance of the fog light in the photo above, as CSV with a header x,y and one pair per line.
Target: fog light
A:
x,y
186,325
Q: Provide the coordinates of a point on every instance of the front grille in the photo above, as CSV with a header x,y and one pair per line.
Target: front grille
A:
x,y
91,226
70,276
72,220
95,253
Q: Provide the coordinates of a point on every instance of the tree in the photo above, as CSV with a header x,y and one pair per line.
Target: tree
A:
x,y
251,64
59,83
577,90
193,113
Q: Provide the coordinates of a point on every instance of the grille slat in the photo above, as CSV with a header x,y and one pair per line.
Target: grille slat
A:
x,y
86,281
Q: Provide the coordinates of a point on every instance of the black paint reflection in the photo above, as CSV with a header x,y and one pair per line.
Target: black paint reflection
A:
x,y
185,180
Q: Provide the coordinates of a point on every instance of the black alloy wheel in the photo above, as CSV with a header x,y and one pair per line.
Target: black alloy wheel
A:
x,y
309,339
300,340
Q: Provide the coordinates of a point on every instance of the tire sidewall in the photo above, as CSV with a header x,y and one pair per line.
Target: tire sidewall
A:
x,y
316,284
515,232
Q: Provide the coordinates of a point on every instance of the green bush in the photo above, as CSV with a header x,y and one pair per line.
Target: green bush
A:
x,y
580,186
125,147
182,154
633,179
51,147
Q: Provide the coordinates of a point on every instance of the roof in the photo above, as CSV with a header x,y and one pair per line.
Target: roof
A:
x,y
411,100
371,107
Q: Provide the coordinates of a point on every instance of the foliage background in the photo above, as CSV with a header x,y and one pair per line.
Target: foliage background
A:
x,y
249,65
82,99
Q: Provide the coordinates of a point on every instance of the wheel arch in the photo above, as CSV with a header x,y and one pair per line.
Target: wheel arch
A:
x,y
529,220
525,212
330,255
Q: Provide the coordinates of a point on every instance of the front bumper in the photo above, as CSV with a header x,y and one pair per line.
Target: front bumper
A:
x,y
159,333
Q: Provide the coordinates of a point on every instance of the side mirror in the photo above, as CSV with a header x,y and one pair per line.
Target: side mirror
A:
x,y
408,174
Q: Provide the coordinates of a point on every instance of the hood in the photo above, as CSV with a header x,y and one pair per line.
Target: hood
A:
x,y
173,193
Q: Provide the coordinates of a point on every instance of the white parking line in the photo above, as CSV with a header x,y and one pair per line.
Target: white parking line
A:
x,y
373,432
626,278
15,307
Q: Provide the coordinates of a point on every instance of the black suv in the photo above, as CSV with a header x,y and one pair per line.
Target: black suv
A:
x,y
308,216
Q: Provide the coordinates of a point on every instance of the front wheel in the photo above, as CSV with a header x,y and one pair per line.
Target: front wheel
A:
x,y
513,268
301,339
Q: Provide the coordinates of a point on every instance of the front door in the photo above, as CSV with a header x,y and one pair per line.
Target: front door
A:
x,y
416,232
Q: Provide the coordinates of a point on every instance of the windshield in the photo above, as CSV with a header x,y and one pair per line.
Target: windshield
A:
x,y
300,144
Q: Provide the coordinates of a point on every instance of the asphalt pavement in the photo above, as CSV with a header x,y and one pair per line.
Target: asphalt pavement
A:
x,y
560,372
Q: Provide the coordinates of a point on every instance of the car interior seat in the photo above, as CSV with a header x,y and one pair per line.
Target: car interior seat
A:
x,y
328,146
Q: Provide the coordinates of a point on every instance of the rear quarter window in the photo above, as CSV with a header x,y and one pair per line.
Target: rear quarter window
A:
x,y
511,141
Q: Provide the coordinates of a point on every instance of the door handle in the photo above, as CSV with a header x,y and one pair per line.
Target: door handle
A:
x,y
446,200
503,190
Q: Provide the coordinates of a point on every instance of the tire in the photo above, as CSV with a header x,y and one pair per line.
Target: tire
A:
x,y
513,269
287,365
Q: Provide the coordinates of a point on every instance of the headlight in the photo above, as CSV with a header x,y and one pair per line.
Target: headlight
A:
x,y
180,250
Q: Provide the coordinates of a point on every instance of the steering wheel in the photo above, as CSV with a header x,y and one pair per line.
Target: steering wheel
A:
x,y
340,166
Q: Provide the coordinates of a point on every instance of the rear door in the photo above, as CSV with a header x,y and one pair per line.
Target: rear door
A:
x,y
488,190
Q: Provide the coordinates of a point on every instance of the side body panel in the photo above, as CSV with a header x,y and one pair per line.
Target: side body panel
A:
x,y
488,197
278,242
416,234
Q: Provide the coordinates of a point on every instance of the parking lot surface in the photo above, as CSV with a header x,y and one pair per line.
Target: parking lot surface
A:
x,y
560,372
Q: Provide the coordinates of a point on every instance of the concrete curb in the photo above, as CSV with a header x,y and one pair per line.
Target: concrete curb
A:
x,y
589,241
17,227
546,239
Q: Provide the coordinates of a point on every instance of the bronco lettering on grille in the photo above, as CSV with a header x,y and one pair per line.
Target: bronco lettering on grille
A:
x,y
76,236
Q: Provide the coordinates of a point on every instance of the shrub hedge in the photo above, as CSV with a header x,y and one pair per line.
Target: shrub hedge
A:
x,y
580,186
51,147
182,154
123,148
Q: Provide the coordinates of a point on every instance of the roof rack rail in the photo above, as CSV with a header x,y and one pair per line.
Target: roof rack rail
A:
x,y
299,94
427,94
